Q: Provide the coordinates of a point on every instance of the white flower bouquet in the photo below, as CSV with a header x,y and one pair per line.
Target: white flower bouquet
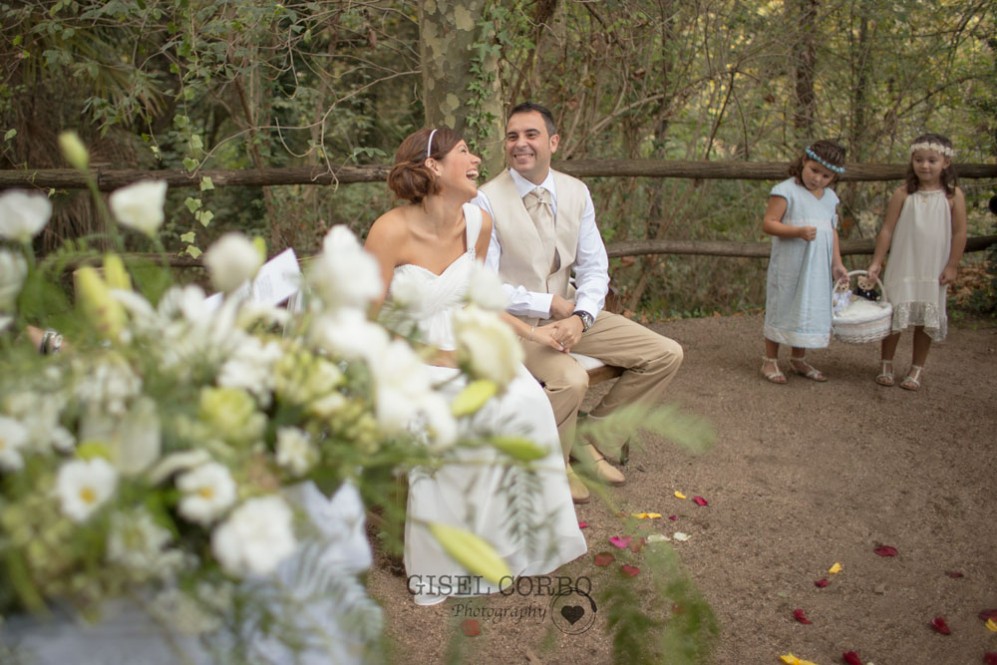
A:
x,y
180,451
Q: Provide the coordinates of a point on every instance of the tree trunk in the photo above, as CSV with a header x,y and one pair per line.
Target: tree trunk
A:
x,y
460,83
805,58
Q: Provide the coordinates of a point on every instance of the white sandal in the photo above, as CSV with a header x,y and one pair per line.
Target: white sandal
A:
x,y
803,368
885,376
774,374
913,379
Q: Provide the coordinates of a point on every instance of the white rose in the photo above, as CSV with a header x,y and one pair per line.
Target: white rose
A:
x,y
208,491
83,486
140,206
255,538
402,382
23,215
232,261
344,275
485,289
13,270
486,345
348,334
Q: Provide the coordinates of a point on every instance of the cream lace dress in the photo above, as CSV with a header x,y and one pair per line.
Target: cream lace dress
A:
x,y
919,250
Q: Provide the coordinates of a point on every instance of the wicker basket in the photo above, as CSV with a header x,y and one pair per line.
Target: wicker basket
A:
x,y
868,327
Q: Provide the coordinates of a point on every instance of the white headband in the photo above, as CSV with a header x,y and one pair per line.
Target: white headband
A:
x,y
937,147
429,144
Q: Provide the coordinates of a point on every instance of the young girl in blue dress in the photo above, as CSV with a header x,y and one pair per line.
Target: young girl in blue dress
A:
x,y
805,262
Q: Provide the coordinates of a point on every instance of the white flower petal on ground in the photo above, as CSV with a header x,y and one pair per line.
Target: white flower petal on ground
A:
x,y
208,491
295,451
485,289
232,261
13,437
486,345
256,537
83,486
23,215
139,206
13,270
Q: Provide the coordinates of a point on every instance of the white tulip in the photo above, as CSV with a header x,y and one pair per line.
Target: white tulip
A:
x,y
232,261
13,270
139,206
23,215
486,345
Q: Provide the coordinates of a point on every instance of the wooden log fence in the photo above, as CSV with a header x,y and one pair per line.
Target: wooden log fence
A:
x,y
109,179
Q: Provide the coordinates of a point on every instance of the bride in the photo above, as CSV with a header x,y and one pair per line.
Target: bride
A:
x,y
432,242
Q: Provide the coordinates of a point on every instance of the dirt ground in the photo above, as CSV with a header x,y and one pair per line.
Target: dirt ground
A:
x,y
802,476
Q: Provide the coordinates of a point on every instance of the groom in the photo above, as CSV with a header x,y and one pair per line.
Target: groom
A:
x,y
544,233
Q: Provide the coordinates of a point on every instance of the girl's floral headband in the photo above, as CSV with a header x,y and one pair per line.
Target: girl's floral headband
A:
x,y
823,162
931,145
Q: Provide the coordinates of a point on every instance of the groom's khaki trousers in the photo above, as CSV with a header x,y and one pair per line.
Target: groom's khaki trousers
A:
x,y
650,362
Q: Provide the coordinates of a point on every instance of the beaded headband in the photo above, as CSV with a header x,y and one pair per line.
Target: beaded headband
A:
x,y
931,145
429,144
823,162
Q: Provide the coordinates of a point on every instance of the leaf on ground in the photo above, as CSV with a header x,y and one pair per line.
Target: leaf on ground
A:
x,y
603,559
886,550
835,569
637,544
629,571
471,627
801,616
822,582
623,542
941,626
851,658
700,501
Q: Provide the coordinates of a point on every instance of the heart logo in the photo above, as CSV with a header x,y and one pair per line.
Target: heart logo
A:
x,y
572,613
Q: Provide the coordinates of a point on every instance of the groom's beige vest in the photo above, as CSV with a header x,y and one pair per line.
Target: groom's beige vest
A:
x,y
520,263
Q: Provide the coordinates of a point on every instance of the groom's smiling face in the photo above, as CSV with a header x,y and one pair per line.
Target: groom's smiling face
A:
x,y
529,146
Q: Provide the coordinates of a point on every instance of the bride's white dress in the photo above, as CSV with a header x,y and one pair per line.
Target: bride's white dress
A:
x,y
528,517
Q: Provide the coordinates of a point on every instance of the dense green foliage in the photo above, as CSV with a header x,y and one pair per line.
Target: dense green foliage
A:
x,y
212,84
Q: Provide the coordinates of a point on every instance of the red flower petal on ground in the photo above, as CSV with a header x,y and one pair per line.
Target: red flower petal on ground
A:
x,y
886,550
851,658
801,616
471,627
700,501
954,574
673,517
990,658
628,570
623,542
583,525
603,559
821,583
940,625
987,615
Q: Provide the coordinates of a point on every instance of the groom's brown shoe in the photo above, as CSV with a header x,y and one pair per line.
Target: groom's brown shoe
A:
x,y
579,490
604,471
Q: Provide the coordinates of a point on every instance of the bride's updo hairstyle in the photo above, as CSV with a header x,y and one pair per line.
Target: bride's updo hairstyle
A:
x,y
410,179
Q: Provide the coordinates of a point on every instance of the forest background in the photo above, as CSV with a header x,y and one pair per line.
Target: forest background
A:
x,y
199,85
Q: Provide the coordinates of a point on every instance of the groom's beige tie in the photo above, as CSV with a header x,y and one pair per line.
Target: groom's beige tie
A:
x,y
538,205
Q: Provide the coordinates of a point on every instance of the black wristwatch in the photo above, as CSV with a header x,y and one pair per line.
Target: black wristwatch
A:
x,y
587,319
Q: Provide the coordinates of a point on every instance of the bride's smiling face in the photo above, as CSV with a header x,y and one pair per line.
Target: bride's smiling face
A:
x,y
458,170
